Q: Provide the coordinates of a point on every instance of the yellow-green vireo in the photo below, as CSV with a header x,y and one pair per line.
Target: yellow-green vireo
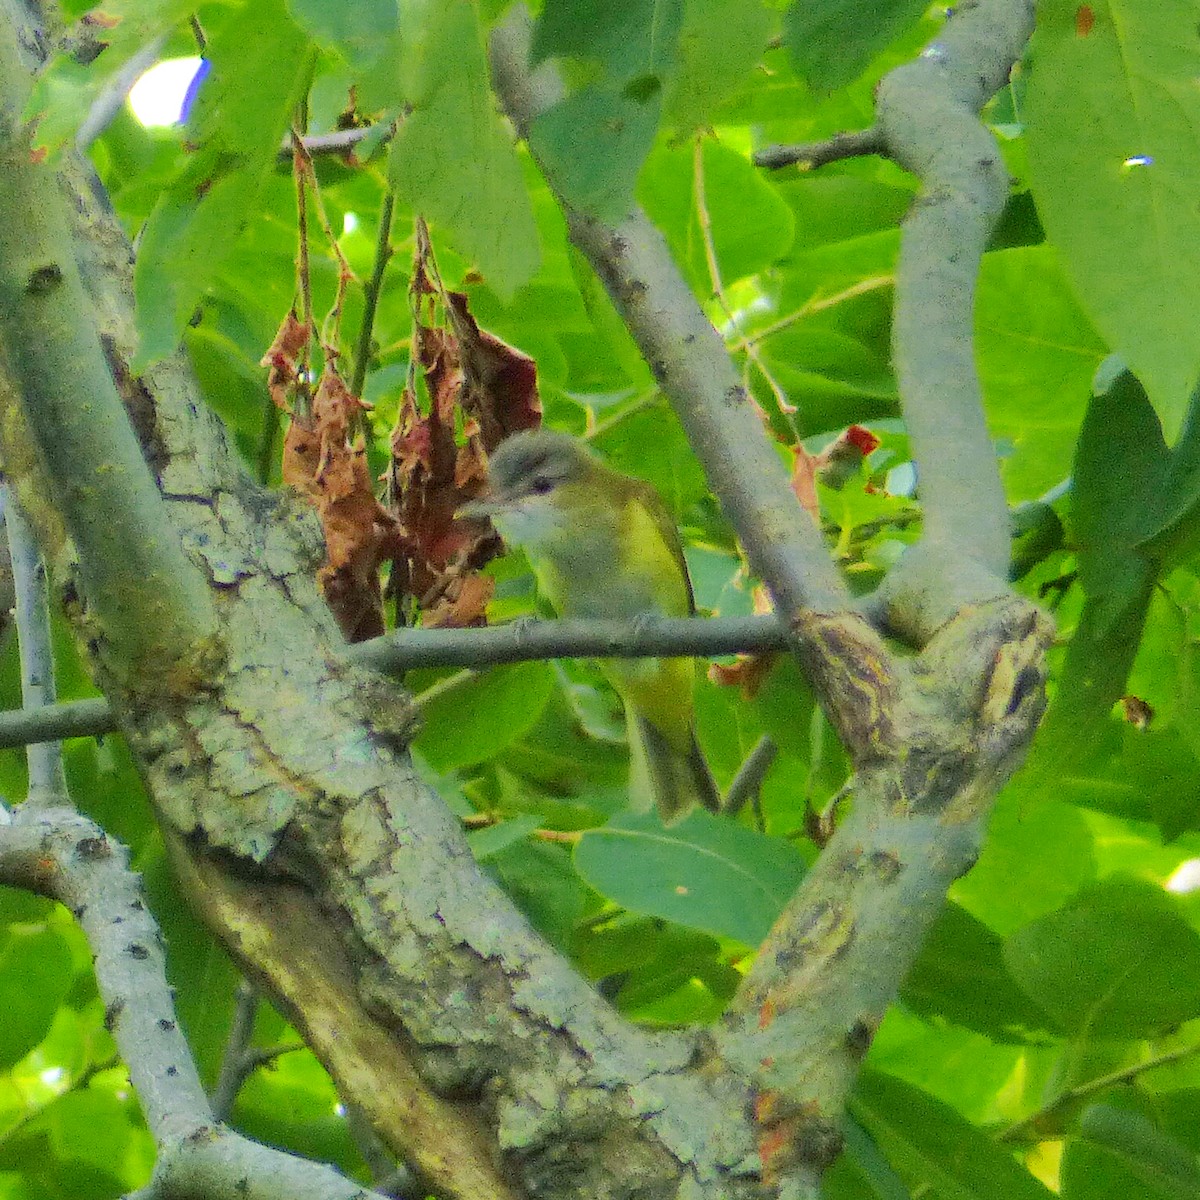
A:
x,y
603,545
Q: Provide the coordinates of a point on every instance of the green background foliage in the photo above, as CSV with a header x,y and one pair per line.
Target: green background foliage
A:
x,y
1062,962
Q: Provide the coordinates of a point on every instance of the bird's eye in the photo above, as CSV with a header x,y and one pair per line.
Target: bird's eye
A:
x,y
541,484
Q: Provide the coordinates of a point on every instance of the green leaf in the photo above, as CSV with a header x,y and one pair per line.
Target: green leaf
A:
x,y
960,976
1162,769
543,883
833,41
1037,354
1117,961
1145,1152
591,146
705,872
1037,854
630,38
755,231
1120,463
89,1127
487,842
480,715
451,159
237,124
720,42
1119,466
358,31
931,1142
862,1172
35,975
1114,164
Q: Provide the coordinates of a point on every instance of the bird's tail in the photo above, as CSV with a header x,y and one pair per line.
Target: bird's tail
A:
x,y
674,781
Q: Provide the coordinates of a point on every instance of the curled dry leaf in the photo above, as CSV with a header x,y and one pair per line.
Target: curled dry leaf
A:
x,y
480,390
499,381
328,464
748,671
282,358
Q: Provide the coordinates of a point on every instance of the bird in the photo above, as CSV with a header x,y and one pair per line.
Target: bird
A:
x,y
602,544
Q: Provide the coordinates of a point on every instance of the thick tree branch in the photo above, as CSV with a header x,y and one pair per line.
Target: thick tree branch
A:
x,y
151,601
927,115
806,1015
932,740
346,889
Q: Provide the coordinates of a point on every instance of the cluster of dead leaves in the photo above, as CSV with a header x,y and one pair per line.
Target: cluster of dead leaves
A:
x,y
479,390
325,459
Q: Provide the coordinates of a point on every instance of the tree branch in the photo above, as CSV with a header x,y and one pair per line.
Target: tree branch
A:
x,y
810,155
60,854
55,852
690,361
521,641
927,115
47,781
153,604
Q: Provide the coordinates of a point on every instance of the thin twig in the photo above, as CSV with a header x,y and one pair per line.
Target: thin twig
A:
x,y
383,254
816,305
521,641
747,783
1031,1123
342,141
233,1061
810,155
266,445
303,400
77,718
704,217
47,780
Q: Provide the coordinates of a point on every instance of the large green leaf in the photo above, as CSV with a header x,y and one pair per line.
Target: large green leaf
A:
x,y
359,31
630,38
931,1142
960,976
1120,463
833,41
1122,1148
720,41
705,872
756,231
1117,961
1037,355
452,160
1112,111
591,145
479,715
35,975
1038,853
237,124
